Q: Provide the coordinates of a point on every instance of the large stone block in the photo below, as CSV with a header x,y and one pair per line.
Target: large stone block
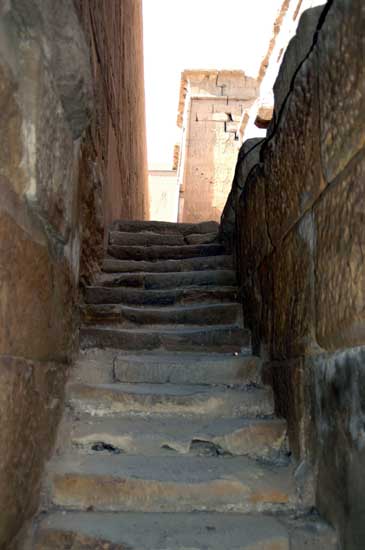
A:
x,y
341,53
296,52
55,26
31,396
36,289
340,268
293,274
254,242
339,412
291,157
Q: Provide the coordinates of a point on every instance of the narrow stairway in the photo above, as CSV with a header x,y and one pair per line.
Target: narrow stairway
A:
x,y
169,439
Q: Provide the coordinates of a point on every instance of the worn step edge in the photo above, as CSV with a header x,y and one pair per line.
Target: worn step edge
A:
x,y
166,227
166,252
95,295
125,238
161,532
163,266
263,439
187,368
113,399
226,338
191,314
171,484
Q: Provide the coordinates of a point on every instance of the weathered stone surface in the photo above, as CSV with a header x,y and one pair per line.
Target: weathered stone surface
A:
x,y
166,227
59,540
179,531
207,238
193,314
225,338
56,28
341,50
114,399
172,280
254,243
185,368
174,296
30,406
340,271
292,168
174,484
248,157
36,289
147,253
147,238
164,266
339,389
293,323
296,52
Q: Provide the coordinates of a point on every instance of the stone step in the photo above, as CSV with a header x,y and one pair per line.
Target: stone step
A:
x,y
169,281
168,399
193,314
153,253
136,531
187,368
263,439
203,238
111,265
118,295
170,484
165,227
146,238
221,338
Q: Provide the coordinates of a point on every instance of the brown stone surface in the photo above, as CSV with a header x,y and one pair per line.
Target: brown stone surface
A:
x,y
36,296
292,156
59,540
254,242
340,270
29,412
118,136
341,52
294,321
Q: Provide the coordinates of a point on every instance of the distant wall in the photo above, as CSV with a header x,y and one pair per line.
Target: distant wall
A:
x,y
163,195
114,152
296,218
210,114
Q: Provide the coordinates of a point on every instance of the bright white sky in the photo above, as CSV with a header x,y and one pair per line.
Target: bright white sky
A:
x,y
196,34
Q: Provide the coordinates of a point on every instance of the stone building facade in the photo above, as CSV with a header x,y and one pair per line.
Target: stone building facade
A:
x,y
211,106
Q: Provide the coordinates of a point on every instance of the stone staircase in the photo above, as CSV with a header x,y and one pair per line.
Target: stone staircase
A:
x,y
169,439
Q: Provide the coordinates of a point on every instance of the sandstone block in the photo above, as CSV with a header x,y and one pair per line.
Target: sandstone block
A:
x,y
296,52
34,288
293,313
340,270
341,53
254,242
29,412
292,166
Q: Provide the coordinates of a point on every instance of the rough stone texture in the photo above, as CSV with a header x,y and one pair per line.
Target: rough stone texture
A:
x,y
300,226
340,270
118,134
342,85
295,54
297,139
44,107
28,432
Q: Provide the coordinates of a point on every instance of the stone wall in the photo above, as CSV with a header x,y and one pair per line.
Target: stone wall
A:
x,y
114,151
45,103
295,218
